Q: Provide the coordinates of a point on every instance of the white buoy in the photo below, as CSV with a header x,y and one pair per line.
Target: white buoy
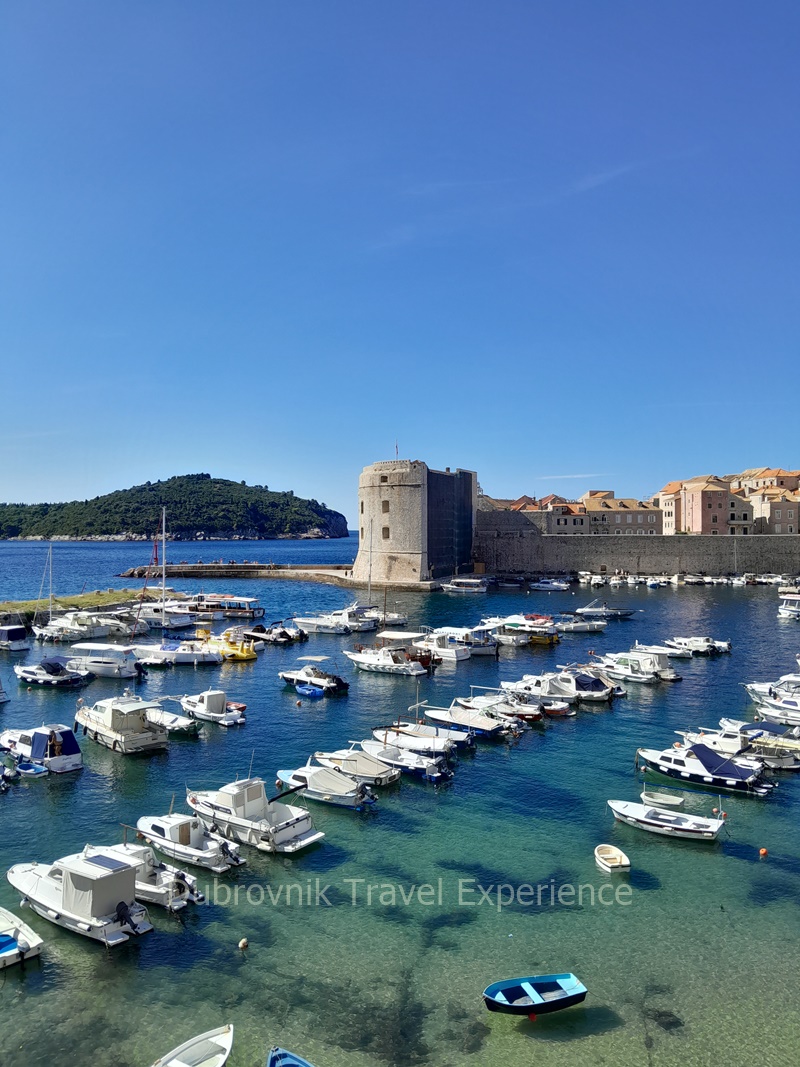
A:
x,y
244,944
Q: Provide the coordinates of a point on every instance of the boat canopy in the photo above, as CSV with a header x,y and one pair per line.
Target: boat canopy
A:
x,y
53,667
312,659
587,683
44,739
719,764
93,886
13,633
398,635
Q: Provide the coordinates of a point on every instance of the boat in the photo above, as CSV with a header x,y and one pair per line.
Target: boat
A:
x,y
627,667
121,724
310,692
212,705
541,994
504,704
667,823
232,607
87,894
232,649
185,838
480,640
104,660
567,685
386,618
478,723
431,769
766,742
52,672
53,747
328,785
571,625
17,941
598,609
14,638
549,585
610,858
356,617
31,770
72,626
359,765
210,1049
699,646
156,882
789,606
280,1057
172,723
312,674
788,685
662,650
444,646
660,800
321,624
702,766
189,652
388,659
242,811
533,628
465,585
400,735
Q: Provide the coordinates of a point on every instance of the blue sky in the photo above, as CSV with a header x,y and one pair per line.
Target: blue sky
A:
x,y
554,243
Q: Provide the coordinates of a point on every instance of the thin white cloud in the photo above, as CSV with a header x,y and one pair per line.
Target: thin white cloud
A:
x,y
560,477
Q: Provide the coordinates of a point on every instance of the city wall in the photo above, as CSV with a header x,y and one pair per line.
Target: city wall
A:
x,y
508,543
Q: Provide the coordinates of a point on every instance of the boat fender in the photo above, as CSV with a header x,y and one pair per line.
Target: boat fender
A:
x,y
676,744
94,736
278,783
115,746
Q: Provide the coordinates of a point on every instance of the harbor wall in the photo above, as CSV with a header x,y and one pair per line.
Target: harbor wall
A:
x,y
506,542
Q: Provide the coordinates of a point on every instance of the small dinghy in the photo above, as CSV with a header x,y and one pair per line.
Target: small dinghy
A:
x,y
174,724
32,770
660,800
431,769
538,995
212,705
210,1049
311,692
17,941
279,1057
610,858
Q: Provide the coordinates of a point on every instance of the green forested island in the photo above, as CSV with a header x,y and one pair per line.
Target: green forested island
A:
x,y
198,507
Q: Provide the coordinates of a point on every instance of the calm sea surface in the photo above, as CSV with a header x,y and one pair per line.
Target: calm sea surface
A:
x,y
699,967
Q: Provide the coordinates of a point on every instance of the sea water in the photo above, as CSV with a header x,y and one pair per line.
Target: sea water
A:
x,y
373,947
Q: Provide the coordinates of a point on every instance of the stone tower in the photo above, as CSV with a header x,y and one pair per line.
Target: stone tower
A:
x,y
414,523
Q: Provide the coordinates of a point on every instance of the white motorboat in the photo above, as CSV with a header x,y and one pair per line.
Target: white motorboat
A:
x,y
480,640
566,685
479,723
598,609
571,625
388,659
328,785
88,894
52,672
504,704
356,617
699,646
104,660
432,769
465,585
162,617
212,705
610,858
777,744
194,651
534,628
625,668
735,742
172,723
386,618
53,747
72,626
231,607
662,650
668,823
660,800
156,882
549,585
121,724
321,624
243,812
277,633
357,764
789,606
445,646
400,735
184,838
14,638
210,1049
17,941
312,674
781,711
788,685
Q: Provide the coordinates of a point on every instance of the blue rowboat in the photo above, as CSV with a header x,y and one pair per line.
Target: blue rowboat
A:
x,y
313,692
538,995
279,1057
32,770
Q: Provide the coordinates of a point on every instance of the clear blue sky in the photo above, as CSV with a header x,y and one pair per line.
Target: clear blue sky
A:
x,y
556,243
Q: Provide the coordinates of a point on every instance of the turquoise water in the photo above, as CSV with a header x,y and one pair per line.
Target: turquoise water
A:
x,y
698,967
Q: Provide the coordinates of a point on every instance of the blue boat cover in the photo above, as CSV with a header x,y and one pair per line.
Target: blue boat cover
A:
x,y
39,744
587,683
721,765
765,728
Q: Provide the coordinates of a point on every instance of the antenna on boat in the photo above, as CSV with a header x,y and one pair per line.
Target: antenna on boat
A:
x,y
171,804
252,757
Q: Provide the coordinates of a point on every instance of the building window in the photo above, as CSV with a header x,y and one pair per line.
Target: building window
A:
x,y
710,504
629,518
384,478
362,507
713,518
640,518
720,504
778,528
617,518
789,514
651,518
385,533
777,513
618,531
651,531
385,507
790,529
362,533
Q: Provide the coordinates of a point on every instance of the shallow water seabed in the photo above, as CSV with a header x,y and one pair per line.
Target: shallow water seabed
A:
x,y
695,969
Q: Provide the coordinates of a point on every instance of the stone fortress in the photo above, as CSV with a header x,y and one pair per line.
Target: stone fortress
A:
x,y
418,525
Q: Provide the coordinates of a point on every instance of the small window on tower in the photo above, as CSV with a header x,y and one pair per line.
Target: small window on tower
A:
x,y
385,507
384,477
385,533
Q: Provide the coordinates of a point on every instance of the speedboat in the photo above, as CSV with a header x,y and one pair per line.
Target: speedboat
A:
x,y
465,585
401,735
732,742
506,705
17,941
53,747
626,668
357,618
480,640
479,723
668,823
185,838
662,650
243,812
390,659
72,626
104,661
311,674
193,653
358,765
703,766
447,647
598,609
541,994
789,606
549,585
14,638
156,882
321,624
788,685
570,625
91,895
568,685
277,633
610,858
172,723
121,724
212,705
432,769
53,671
699,646
532,628
329,785
210,1049
776,745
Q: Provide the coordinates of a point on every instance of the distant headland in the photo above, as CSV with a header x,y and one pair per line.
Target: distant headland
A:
x,y
199,508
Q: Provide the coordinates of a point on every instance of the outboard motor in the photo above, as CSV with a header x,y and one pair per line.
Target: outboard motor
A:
x,y
124,917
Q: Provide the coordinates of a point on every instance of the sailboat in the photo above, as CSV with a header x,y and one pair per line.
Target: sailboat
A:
x,y
158,615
